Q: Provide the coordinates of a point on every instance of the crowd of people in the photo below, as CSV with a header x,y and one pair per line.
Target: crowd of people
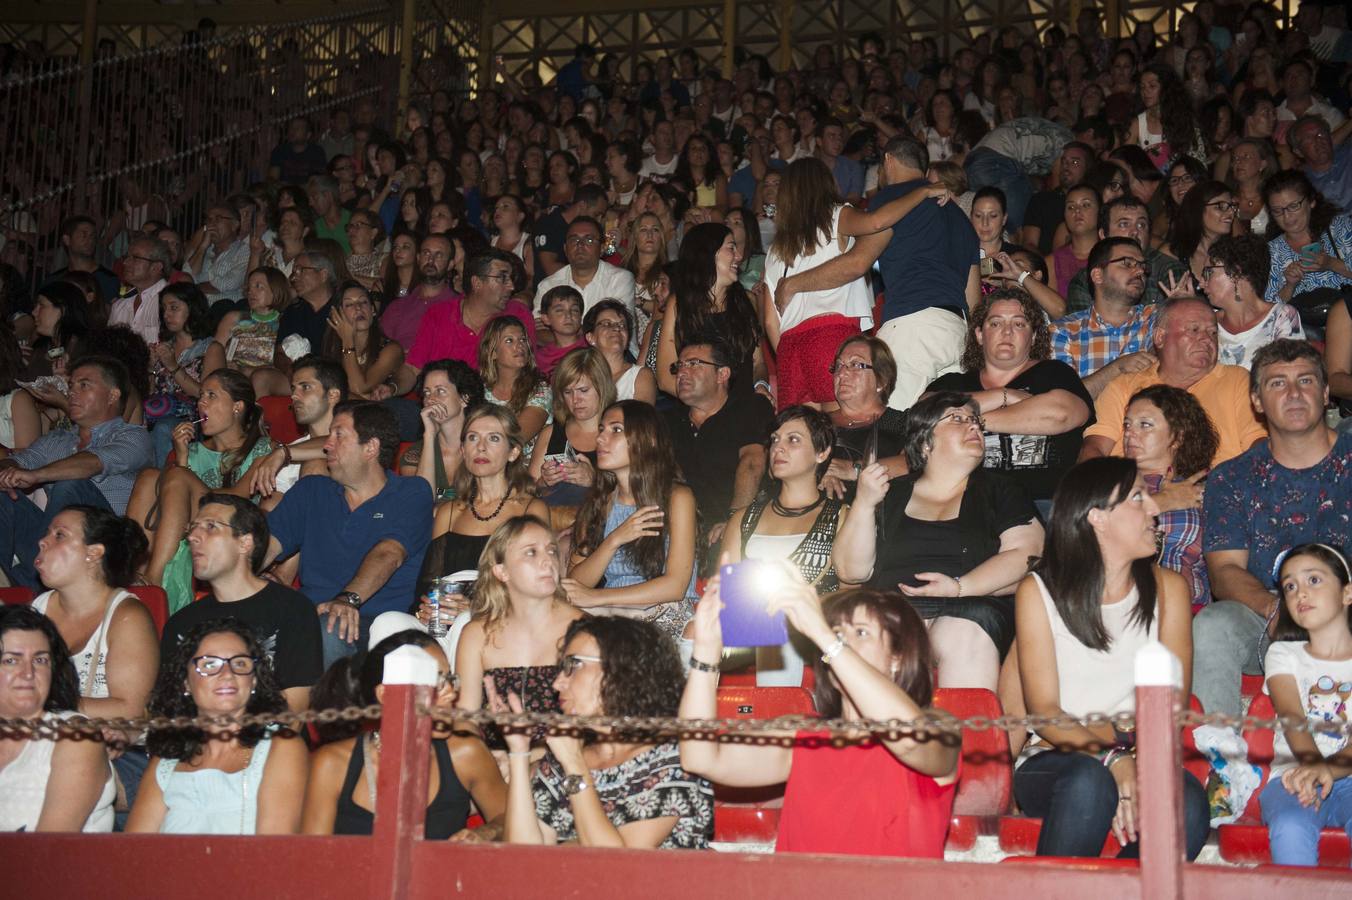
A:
x,y
1005,363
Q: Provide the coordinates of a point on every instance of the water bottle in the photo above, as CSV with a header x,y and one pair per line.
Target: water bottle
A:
x,y
436,625
452,598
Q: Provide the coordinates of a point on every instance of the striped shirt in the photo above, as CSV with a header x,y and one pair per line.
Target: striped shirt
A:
x,y
1086,343
123,449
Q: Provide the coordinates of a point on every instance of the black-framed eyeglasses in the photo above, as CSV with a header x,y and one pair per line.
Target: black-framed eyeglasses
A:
x,y
207,666
574,661
690,364
1176,180
500,278
1129,263
1289,208
577,240
145,259
1208,270
856,366
295,269
1224,206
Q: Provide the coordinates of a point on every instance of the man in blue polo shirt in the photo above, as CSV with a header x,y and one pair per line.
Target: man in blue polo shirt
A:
x,y
361,532
929,261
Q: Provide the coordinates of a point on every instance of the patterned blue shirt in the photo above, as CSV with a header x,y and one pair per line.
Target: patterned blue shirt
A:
x,y
123,449
1281,254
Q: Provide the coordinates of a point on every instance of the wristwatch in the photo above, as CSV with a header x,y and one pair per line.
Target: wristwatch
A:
x,y
351,598
574,785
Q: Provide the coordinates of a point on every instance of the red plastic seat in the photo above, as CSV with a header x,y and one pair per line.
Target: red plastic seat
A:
x,y
986,781
155,600
1251,685
16,596
1246,841
1018,837
282,427
743,815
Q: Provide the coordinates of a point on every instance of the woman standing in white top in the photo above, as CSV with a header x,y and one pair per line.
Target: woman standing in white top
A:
x,y
46,785
1096,598
88,557
813,226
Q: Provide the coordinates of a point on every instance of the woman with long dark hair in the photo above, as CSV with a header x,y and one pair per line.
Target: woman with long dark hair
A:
x,y
241,780
1182,175
46,785
507,364
355,339
710,300
1309,240
179,360
1166,125
231,438
1207,213
1092,601
636,528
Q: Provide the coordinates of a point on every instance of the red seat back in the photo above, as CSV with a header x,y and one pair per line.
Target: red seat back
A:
x,y
403,448
155,600
16,596
739,702
986,782
282,427
1260,750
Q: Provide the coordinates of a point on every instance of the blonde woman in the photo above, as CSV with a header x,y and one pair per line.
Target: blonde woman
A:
x,y
564,461
507,364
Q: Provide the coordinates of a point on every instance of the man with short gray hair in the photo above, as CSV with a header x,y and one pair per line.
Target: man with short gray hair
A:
x,y
330,217
315,283
145,269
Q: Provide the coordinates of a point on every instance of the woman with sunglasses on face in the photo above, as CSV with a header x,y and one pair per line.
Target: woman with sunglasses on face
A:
x,y
46,785
635,530
355,339
1095,598
875,663
600,790
248,780
520,614
953,537
340,796
1309,240
608,326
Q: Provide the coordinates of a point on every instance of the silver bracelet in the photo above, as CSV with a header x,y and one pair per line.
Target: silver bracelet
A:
x,y
959,581
831,652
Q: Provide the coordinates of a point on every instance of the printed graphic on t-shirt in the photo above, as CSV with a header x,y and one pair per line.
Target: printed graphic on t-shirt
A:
x,y
1326,702
1008,452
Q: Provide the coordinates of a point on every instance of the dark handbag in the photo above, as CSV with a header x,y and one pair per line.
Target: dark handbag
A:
x,y
1314,305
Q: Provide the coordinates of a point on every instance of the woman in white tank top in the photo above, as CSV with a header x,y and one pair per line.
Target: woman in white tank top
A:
x,y
1094,600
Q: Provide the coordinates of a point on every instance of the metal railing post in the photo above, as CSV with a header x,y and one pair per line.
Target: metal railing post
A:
x,y
88,39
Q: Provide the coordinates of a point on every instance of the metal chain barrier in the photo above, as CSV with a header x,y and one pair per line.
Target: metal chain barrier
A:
x,y
657,726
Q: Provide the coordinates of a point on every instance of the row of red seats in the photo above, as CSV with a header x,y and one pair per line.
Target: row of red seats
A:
x,y
983,803
152,596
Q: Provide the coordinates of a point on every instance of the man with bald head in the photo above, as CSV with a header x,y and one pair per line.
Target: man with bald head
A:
x,y
1185,344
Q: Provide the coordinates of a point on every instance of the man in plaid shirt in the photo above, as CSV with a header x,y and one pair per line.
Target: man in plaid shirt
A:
x,y
1113,336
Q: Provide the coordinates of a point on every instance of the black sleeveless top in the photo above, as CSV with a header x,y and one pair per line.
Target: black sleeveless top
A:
x,y
446,814
447,555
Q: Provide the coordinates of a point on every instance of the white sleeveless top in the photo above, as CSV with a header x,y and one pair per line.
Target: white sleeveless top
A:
x,y
1098,680
23,788
624,385
90,660
1147,138
852,300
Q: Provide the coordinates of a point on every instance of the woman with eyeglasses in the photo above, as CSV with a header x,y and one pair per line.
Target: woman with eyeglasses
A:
x,y
1094,600
340,794
1235,280
608,326
1035,408
954,538
1309,240
1184,173
519,616
863,374
241,780
366,237
1206,213
634,535
355,339
46,785
602,789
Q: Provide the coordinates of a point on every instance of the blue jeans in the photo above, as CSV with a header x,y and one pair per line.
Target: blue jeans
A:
x,y
1293,830
22,525
130,768
986,168
335,648
1076,798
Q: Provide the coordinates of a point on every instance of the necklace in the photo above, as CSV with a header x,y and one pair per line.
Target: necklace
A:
x,y
868,420
793,512
488,518
244,791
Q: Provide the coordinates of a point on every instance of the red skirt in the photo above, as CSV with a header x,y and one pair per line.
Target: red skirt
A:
x,y
804,359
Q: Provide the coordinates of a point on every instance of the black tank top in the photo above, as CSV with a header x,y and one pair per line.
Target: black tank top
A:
x,y
447,555
446,814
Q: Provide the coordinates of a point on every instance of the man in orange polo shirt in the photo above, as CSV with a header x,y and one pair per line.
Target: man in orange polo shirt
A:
x,y
1185,342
